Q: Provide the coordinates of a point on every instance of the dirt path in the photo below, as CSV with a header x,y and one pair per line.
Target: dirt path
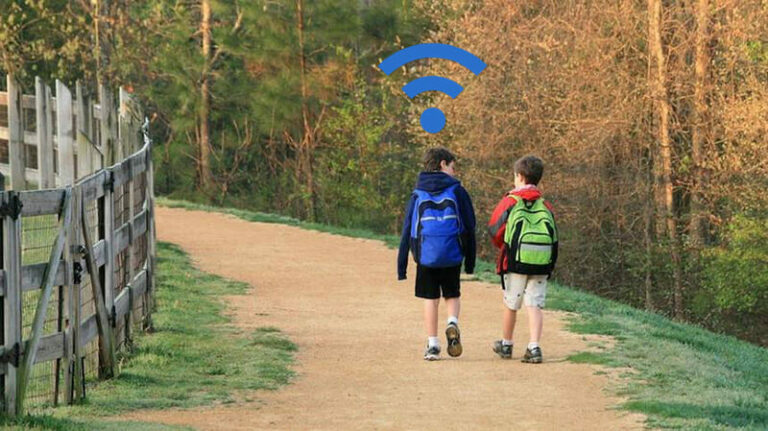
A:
x,y
360,339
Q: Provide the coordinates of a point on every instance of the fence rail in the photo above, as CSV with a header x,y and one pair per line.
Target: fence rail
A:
x,y
77,264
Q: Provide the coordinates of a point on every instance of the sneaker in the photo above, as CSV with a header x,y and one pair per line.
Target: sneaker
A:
x,y
453,336
504,351
432,353
532,356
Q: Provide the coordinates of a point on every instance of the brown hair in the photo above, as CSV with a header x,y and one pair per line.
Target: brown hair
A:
x,y
531,168
434,156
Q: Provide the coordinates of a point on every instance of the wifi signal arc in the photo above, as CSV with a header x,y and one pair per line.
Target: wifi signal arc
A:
x,y
428,83
432,50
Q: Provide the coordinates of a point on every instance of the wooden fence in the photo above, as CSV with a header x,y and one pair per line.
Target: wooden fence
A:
x,y
77,262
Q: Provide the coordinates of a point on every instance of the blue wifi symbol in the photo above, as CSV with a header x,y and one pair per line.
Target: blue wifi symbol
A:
x,y
432,119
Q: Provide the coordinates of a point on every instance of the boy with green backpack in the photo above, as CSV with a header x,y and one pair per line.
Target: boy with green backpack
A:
x,y
523,228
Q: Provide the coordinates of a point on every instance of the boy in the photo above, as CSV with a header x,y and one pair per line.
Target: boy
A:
x,y
439,228
527,254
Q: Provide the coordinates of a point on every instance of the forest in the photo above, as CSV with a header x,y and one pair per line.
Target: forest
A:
x,y
650,116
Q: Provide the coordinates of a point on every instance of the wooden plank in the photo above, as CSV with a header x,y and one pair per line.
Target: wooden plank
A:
x,y
31,345
82,132
122,238
41,202
45,179
122,303
88,330
16,134
100,253
64,134
11,302
106,338
121,173
108,126
51,347
93,186
124,124
138,162
28,101
32,276
139,283
140,224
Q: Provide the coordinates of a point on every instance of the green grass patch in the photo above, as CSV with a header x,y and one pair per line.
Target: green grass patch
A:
x,y
195,357
682,376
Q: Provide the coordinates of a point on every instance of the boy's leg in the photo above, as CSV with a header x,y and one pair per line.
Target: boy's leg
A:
x,y
508,324
454,306
514,286
536,323
430,316
428,288
451,286
535,295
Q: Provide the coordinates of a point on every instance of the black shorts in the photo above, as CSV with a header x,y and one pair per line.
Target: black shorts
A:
x,y
429,282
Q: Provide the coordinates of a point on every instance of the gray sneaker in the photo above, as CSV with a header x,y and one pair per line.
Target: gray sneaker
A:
x,y
505,352
432,353
453,336
533,356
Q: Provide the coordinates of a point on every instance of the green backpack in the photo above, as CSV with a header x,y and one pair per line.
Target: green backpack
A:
x,y
530,238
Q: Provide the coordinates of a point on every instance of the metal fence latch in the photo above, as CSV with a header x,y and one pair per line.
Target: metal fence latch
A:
x,y
77,269
12,355
11,208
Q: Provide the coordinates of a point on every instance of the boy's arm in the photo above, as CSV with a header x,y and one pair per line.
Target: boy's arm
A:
x,y
405,242
469,240
556,245
498,222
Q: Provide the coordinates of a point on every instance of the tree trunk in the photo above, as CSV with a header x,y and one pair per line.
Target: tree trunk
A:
x,y
204,135
660,97
306,146
648,234
699,134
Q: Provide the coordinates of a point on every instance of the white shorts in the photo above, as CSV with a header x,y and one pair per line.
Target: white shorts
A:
x,y
518,286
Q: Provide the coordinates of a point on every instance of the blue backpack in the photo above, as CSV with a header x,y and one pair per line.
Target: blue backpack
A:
x,y
436,229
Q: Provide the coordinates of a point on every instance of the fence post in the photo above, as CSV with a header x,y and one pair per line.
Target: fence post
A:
x,y
108,126
64,134
107,233
82,132
75,258
12,300
44,135
131,259
150,199
16,134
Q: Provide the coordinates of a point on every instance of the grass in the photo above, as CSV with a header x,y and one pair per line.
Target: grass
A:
x,y
679,375
195,357
682,376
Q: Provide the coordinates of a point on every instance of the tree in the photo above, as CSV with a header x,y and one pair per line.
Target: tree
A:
x,y
658,85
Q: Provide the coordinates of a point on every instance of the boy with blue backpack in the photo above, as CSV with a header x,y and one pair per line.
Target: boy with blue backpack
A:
x,y
523,228
439,229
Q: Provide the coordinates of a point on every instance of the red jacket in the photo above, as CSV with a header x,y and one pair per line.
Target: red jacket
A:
x,y
498,222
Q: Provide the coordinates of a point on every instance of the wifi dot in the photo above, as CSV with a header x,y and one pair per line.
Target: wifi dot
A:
x,y
432,120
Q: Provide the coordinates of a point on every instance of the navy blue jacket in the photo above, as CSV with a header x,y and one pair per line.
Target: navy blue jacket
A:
x,y
435,182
